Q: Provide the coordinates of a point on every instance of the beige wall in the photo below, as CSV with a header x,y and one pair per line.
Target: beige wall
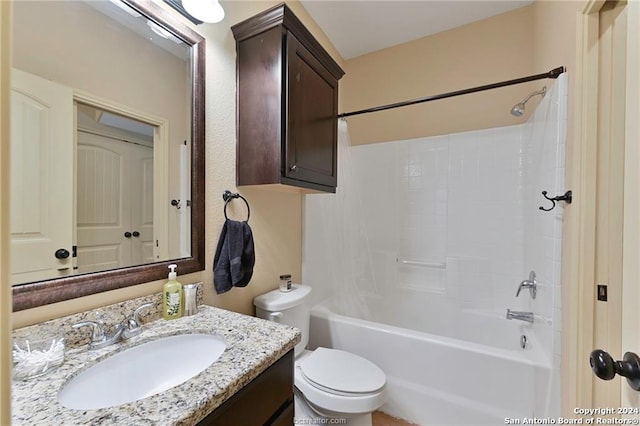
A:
x,y
530,40
495,49
275,217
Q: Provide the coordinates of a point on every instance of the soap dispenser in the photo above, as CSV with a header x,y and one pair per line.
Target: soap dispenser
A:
x,y
172,296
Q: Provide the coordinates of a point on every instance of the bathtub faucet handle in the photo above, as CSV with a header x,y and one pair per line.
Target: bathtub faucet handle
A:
x,y
531,284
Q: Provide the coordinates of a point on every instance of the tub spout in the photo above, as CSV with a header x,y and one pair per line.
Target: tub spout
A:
x,y
521,316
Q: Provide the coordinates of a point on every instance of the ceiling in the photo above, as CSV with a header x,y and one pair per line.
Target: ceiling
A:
x,y
356,27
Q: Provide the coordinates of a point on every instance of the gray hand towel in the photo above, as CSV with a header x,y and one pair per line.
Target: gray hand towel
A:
x,y
235,256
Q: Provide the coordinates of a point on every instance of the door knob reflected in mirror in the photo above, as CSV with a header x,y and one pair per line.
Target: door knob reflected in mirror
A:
x,y
61,254
605,367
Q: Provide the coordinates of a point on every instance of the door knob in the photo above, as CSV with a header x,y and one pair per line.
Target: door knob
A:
x,y
604,366
136,234
61,254
127,234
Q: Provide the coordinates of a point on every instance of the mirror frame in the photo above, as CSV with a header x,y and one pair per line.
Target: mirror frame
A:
x,y
40,293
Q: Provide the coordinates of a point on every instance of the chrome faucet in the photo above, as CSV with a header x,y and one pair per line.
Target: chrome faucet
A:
x,y
99,339
531,284
519,315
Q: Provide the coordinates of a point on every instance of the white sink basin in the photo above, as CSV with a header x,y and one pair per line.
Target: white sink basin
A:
x,y
142,371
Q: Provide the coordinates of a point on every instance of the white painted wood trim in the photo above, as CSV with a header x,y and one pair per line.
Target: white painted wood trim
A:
x,y
631,243
578,272
5,289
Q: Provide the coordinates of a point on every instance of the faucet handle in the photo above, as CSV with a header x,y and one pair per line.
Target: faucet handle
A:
x,y
531,284
133,323
523,284
139,309
97,335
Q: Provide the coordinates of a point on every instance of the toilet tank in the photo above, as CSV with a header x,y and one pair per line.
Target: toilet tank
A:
x,y
291,308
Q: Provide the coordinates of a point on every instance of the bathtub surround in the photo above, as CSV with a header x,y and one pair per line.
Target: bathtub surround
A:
x,y
252,346
449,226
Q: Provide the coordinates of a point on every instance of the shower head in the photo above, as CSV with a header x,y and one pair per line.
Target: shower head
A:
x,y
518,109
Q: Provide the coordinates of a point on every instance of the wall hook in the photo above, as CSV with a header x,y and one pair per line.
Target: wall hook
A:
x,y
567,197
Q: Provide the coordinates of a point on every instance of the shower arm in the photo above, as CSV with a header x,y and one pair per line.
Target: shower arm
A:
x,y
554,73
542,92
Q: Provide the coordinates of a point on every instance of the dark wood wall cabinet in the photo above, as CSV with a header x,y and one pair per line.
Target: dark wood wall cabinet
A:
x,y
266,400
287,104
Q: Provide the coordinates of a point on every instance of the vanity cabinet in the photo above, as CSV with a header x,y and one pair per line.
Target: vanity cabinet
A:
x,y
287,104
266,400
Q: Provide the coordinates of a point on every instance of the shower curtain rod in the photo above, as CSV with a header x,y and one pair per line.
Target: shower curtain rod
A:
x,y
554,73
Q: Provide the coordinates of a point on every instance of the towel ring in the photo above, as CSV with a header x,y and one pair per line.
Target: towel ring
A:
x,y
227,196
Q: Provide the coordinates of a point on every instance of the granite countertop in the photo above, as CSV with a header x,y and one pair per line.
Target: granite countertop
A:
x,y
253,345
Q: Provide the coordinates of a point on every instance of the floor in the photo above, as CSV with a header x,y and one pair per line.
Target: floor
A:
x,y
382,419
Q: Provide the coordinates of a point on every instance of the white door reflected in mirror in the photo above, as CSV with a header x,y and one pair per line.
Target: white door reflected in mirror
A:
x,y
114,194
41,178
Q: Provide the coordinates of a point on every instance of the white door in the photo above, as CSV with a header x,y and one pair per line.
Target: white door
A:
x,y
114,203
141,202
41,178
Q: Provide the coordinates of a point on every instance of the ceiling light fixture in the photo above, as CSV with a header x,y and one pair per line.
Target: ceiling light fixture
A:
x,y
204,10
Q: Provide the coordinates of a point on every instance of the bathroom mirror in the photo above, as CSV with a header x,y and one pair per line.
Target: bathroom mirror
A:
x,y
107,97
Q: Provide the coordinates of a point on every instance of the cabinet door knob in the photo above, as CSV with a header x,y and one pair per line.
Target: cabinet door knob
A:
x,y
293,168
136,234
127,234
61,253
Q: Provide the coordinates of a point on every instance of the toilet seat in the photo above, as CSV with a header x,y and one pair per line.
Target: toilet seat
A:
x,y
341,382
342,372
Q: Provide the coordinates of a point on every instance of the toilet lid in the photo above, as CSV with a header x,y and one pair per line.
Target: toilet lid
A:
x,y
342,371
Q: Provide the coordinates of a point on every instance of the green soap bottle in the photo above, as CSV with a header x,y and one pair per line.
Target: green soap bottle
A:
x,y
172,296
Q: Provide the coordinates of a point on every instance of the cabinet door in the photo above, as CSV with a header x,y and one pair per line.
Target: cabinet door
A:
x,y
312,104
266,400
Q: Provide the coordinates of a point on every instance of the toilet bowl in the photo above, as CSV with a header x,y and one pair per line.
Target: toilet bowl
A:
x,y
329,383
336,383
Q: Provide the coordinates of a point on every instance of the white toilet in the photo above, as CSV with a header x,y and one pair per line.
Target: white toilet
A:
x,y
329,383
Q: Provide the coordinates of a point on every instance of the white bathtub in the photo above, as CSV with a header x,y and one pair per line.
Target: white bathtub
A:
x,y
436,380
